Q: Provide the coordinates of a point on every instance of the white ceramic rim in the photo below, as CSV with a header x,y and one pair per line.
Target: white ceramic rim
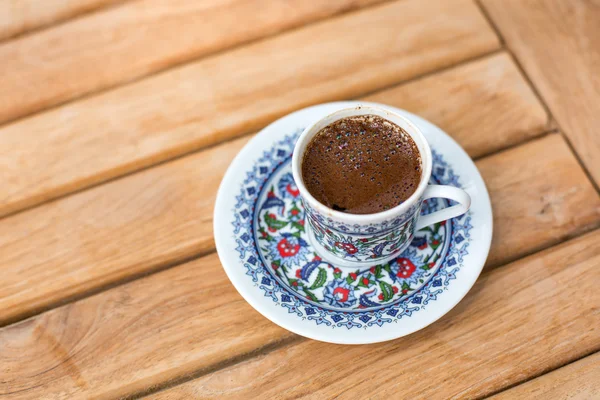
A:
x,y
403,122
235,270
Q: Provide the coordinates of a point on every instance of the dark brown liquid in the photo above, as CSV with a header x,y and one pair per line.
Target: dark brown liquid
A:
x,y
361,165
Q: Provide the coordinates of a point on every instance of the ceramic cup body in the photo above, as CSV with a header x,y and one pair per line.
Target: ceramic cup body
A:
x,y
362,240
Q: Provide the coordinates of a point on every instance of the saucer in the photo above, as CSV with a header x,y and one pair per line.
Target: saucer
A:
x,y
260,234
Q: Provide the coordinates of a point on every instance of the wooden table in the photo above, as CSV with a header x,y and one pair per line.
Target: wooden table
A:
x,y
118,119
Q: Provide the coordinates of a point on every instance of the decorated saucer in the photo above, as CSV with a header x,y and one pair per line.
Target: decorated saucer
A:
x,y
262,242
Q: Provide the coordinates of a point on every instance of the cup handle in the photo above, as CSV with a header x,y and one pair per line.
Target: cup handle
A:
x,y
447,192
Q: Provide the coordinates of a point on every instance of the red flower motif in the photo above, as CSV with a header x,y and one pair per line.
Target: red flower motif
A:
x,y
443,223
271,194
273,216
364,240
406,268
274,266
372,269
341,294
286,249
298,273
271,229
404,291
347,247
301,222
295,283
380,297
294,192
264,234
431,265
423,246
395,289
435,242
328,231
317,258
295,212
365,281
353,276
337,271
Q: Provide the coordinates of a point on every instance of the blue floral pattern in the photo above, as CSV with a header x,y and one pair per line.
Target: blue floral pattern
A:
x,y
269,228
364,229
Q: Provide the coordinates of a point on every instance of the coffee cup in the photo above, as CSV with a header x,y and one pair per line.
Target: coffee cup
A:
x,y
363,240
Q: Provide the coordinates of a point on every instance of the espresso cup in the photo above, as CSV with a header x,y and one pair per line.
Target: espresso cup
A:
x,y
363,240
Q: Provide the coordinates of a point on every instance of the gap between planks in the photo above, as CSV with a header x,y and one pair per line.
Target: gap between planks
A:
x,y
260,351
103,288
506,47
535,376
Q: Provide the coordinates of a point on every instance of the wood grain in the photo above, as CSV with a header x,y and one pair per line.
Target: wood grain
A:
x,y
556,41
487,104
164,215
537,188
233,93
136,40
19,16
577,381
517,322
117,230
132,337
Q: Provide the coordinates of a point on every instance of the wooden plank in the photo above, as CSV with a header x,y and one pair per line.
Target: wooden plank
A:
x,y
517,322
138,39
545,188
577,381
132,337
19,16
489,104
229,94
164,215
561,55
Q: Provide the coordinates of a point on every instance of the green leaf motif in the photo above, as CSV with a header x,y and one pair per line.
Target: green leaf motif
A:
x,y
310,295
387,291
298,226
403,238
321,278
274,223
378,271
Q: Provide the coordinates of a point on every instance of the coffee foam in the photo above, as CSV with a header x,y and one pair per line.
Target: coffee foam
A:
x,y
361,165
